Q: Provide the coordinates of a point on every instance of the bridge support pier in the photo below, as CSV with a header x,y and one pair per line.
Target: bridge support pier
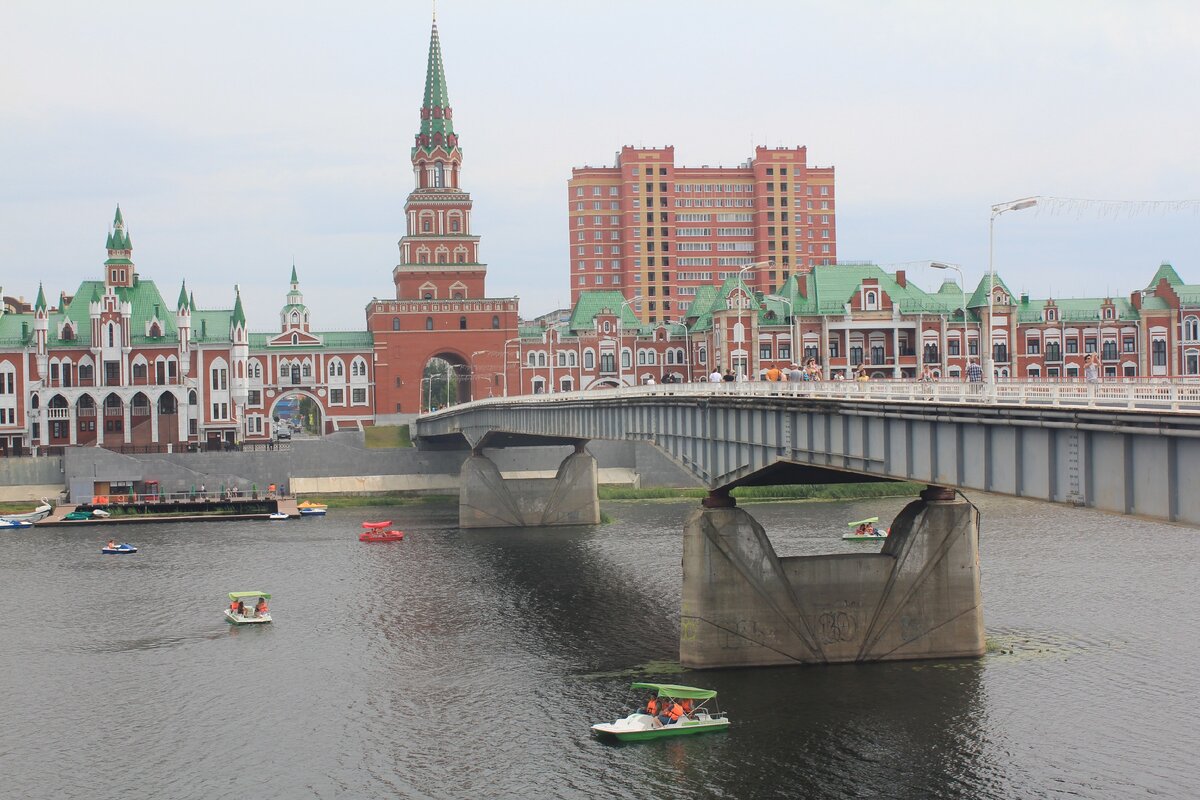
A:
x,y
487,500
743,605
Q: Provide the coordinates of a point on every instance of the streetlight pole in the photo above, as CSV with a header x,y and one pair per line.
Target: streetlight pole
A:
x,y
621,344
474,374
791,322
741,272
504,364
962,286
989,371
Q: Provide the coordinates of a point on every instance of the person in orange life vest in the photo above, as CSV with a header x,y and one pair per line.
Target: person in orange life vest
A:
x,y
261,608
233,606
672,713
651,707
686,705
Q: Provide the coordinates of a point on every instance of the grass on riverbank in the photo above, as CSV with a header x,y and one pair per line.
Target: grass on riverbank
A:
x,y
381,499
382,436
828,491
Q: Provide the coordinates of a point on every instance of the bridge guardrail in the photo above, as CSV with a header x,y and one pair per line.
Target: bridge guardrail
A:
x,y
1183,397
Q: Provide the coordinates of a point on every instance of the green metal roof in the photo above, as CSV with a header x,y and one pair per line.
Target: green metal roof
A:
x,y
1076,309
979,298
142,297
1165,270
11,334
331,340
594,302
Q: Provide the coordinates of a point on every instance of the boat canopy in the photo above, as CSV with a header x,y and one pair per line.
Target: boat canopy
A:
x,y
674,690
383,524
244,595
863,522
307,504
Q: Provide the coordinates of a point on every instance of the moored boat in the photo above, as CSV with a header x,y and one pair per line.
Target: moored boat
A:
x,y
865,530
238,613
15,523
41,512
278,515
693,715
312,509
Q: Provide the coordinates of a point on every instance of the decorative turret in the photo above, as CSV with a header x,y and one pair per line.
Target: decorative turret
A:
x,y
183,321
237,330
239,355
41,323
436,155
294,314
118,269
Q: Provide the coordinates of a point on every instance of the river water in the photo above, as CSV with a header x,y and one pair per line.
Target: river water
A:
x,y
470,665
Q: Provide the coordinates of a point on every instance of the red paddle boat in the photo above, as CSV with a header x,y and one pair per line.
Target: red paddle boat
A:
x,y
378,532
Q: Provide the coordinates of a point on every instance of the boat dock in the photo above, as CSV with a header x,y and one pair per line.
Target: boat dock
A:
x,y
191,510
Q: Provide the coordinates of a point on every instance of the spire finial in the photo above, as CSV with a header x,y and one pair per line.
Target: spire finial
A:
x,y
435,12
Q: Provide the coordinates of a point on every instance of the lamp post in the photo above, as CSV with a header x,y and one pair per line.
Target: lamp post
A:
x,y
989,370
687,351
962,285
791,322
621,344
473,371
504,364
741,272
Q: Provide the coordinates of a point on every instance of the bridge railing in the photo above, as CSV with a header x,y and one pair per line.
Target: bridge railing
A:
x,y
1178,396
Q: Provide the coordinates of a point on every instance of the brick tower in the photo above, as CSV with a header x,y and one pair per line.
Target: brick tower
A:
x,y
440,310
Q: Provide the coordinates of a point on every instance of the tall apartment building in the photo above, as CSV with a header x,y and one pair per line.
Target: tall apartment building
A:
x,y
657,232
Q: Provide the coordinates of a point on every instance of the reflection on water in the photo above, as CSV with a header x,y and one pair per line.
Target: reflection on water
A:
x,y
469,664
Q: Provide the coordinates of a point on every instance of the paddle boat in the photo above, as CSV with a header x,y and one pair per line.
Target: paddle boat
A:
x,y
114,549
308,509
640,726
15,523
41,512
78,516
278,515
248,608
375,532
865,530
99,513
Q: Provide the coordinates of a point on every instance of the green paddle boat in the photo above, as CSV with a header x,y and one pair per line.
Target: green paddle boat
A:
x,y
865,530
696,716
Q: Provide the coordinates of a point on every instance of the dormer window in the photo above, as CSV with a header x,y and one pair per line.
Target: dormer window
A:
x,y
871,301
155,331
1108,312
608,327
1051,315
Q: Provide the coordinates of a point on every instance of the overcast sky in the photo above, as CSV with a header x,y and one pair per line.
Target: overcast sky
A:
x,y
238,136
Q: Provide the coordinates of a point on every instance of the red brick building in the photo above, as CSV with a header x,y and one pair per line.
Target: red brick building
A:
x,y
656,231
441,309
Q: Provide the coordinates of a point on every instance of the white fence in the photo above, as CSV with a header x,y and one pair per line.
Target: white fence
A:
x,y
1183,397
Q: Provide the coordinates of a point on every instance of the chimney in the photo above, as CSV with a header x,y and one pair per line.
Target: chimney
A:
x,y
802,284
901,278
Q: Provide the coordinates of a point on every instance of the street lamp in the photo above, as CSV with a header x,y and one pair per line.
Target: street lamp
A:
x,y
997,210
749,348
791,323
621,344
504,364
962,286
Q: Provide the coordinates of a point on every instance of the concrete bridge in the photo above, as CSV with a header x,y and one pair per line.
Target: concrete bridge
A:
x,y
1124,448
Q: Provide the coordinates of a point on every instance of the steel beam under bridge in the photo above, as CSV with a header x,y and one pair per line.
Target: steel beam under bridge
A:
x,y
1128,461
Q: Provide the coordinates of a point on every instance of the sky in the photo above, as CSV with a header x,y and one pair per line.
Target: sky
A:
x,y
240,137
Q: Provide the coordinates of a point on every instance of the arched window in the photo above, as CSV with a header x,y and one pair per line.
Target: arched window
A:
x,y
1191,329
462,323
295,338
395,323
626,359
541,359
439,175
532,359
454,225
155,331
589,359
429,323
872,300
112,335
495,322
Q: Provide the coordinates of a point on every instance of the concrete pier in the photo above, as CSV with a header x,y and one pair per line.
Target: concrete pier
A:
x,y
743,605
488,500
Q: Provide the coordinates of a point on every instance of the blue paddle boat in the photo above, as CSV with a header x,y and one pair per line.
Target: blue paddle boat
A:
x,y
114,549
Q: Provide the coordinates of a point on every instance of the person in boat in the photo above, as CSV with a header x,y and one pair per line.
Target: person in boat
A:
x,y
687,706
112,545
864,529
261,608
652,705
671,713
240,608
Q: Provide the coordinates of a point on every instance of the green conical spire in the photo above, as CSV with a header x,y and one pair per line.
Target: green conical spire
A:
x,y
437,126
192,302
182,302
118,220
295,280
40,305
239,316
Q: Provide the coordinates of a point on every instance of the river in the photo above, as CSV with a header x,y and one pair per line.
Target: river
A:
x,y
469,664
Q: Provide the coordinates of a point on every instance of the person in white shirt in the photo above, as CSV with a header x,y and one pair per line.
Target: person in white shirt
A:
x,y
715,377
